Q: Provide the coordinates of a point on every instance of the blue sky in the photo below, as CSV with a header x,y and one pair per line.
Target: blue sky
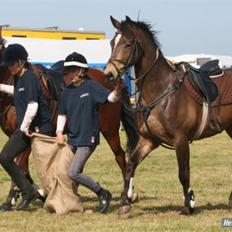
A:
x,y
184,26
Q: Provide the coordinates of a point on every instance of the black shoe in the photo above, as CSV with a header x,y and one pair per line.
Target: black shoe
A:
x,y
5,207
23,205
104,197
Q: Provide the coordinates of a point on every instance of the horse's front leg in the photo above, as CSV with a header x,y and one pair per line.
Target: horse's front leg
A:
x,y
182,154
143,148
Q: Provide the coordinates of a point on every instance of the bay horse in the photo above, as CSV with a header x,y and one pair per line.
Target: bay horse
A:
x,y
107,112
166,113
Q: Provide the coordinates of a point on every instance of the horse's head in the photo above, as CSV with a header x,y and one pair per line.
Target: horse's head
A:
x,y
125,48
132,39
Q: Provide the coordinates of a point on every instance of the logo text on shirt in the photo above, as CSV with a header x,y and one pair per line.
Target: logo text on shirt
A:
x,y
21,89
84,95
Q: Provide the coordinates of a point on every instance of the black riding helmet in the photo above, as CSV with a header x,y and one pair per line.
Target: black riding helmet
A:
x,y
14,53
74,61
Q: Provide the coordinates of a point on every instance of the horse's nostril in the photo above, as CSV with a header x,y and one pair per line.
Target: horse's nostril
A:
x,y
109,77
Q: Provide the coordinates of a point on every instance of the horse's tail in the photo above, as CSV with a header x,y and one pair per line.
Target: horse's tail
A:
x,y
128,122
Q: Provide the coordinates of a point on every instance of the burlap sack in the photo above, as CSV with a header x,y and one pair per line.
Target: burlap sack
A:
x,y
51,163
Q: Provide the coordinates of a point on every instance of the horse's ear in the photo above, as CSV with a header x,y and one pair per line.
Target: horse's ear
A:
x,y
130,23
129,20
115,23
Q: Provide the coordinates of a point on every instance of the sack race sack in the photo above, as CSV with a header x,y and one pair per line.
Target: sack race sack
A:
x,y
51,163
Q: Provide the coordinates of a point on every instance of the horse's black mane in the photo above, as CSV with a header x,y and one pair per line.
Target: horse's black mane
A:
x,y
147,28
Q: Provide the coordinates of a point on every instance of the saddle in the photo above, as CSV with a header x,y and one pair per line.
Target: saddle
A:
x,y
201,81
54,81
203,84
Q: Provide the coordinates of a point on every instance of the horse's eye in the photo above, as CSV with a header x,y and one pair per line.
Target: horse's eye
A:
x,y
128,45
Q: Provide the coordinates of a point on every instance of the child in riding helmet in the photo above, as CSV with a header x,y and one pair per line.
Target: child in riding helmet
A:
x,y
32,115
78,108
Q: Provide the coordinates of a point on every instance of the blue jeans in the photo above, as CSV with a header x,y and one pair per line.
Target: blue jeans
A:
x,y
81,155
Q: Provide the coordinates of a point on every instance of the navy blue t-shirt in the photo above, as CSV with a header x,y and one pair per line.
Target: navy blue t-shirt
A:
x,y
26,89
79,104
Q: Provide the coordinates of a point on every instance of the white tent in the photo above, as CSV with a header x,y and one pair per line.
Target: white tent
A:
x,y
197,60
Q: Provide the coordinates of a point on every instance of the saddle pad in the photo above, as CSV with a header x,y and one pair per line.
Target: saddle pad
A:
x,y
224,85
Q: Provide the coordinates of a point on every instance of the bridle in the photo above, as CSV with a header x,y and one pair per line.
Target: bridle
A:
x,y
136,49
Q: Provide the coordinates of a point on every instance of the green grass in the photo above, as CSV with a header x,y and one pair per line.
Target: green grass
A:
x,y
157,182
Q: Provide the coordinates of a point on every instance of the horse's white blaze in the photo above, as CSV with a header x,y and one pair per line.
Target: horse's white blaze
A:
x,y
117,39
130,190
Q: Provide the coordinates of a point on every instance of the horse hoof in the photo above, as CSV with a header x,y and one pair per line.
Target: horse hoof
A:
x,y
5,207
124,209
187,211
191,210
135,198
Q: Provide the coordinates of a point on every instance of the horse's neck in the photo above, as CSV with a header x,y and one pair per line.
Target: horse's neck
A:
x,y
160,75
5,76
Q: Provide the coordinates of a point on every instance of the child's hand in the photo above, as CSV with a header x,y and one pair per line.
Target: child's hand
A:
x,y
60,138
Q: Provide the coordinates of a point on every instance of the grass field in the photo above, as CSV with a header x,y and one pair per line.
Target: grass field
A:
x,y
157,182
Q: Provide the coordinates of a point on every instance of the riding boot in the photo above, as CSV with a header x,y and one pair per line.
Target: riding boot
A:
x,y
11,200
23,205
104,197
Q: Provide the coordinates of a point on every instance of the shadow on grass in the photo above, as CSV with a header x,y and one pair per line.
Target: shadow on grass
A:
x,y
178,208
116,198
115,204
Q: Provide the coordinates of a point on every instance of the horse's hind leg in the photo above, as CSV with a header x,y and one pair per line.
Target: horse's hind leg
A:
x,y
113,140
144,147
229,132
182,154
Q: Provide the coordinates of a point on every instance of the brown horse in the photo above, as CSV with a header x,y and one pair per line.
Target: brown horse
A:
x,y
106,112
166,113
